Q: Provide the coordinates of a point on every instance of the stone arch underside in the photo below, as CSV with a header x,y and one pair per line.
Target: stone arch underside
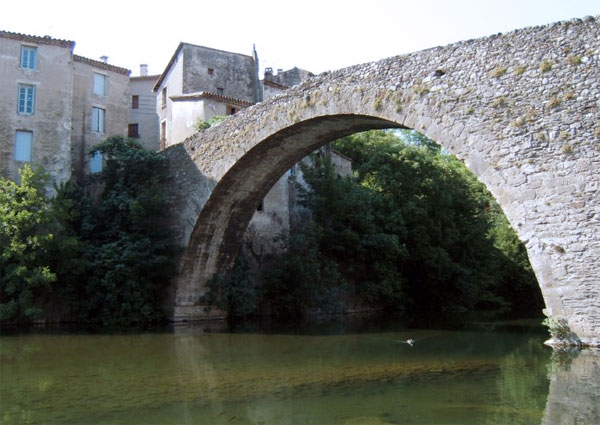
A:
x,y
521,110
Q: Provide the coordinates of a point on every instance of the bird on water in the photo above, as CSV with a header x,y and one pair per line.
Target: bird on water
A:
x,y
409,341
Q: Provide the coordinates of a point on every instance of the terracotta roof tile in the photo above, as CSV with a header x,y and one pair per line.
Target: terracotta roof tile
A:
x,y
102,65
209,95
37,39
268,82
145,77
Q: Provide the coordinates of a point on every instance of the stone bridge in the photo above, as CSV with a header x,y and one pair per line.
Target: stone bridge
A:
x,y
522,110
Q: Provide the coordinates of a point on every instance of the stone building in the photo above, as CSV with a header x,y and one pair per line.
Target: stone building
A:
x,y
274,84
100,107
56,106
36,107
142,117
199,83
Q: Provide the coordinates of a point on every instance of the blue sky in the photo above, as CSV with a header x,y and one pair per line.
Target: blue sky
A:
x,y
314,35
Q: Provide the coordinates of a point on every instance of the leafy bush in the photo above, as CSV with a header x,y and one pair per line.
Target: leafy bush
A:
x,y
24,239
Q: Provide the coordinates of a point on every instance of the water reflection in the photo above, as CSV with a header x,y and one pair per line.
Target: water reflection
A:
x,y
491,375
574,395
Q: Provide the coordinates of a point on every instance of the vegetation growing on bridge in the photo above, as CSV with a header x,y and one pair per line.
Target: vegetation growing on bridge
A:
x,y
413,230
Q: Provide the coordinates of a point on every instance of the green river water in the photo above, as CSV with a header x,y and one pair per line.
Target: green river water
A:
x,y
484,374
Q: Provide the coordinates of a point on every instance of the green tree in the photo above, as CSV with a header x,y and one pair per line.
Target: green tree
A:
x,y
24,240
456,258
128,249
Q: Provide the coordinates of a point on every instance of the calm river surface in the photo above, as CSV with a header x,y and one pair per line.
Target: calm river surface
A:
x,y
335,374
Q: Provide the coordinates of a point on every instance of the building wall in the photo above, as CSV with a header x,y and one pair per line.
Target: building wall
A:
x,y
232,72
187,114
145,116
115,102
50,122
173,83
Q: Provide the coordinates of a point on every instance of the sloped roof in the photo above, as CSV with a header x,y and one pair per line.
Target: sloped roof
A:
x,y
68,44
212,96
102,65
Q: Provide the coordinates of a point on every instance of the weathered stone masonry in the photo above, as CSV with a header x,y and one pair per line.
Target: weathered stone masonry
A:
x,y
521,109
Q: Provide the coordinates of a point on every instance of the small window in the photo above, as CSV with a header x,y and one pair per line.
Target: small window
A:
x,y
163,134
164,98
135,101
100,84
231,110
98,120
23,142
28,57
132,130
220,90
26,101
96,162
261,206
210,71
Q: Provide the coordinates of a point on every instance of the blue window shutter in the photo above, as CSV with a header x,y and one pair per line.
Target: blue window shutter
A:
x,y
23,142
96,162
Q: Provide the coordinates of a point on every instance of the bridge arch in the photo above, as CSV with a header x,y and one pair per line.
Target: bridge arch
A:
x,y
521,110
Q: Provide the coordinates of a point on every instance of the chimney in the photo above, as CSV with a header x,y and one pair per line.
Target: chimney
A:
x,y
104,59
143,70
269,74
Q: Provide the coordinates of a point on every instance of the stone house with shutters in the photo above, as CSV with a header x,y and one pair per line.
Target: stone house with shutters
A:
x,y
56,106
36,109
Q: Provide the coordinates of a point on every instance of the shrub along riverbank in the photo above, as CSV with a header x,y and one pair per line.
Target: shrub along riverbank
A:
x,y
411,231
98,254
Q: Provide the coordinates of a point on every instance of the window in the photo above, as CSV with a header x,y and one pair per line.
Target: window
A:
x,y
23,141
26,99
132,130
135,101
96,162
164,98
98,115
231,110
163,133
210,71
28,57
100,84
220,90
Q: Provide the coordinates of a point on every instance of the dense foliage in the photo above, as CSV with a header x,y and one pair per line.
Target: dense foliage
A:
x,y
106,245
25,234
413,230
463,254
